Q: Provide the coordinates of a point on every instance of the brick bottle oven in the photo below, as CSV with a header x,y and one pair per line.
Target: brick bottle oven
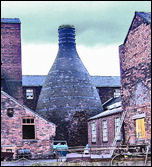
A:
x,y
11,70
68,97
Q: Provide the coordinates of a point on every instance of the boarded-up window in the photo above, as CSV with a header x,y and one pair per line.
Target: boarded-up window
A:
x,y
93,129
28,128
117,129
140,128
105,130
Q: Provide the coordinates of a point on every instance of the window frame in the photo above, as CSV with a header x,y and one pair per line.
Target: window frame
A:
x,y
104,131
117,93
93,133
142,129
29,93
28,123
117,137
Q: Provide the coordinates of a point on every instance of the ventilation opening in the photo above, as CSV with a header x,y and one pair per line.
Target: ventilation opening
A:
x,y
28,132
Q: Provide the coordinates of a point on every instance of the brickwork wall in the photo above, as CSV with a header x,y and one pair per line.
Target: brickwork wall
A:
x,y
11,58
135,65
11,129
111,130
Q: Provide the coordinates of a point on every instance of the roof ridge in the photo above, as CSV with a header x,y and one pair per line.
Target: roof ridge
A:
x,y
107,112
10,20
145,15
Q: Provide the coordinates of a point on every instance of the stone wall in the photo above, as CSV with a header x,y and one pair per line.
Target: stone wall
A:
x,y
135,65
11,129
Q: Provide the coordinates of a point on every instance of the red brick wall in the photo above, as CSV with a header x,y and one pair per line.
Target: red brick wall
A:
x,y
11,57
135,65
11,129
111,130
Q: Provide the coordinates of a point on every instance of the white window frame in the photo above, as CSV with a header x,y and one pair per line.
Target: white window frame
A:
x,y
29,94
104,131
93,132
117,93
117,129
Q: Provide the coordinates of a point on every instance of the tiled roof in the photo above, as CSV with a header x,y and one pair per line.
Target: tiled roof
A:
x,y
33,80
10,20
106,81
107,112
145,15
99,81
112,101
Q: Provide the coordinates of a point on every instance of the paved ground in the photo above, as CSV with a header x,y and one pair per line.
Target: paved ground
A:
x,y
25,162
30,162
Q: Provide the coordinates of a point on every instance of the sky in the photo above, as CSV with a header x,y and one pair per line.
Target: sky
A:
x,y
101,26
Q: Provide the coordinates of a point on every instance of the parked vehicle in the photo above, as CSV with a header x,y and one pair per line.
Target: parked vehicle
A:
x,y
24,153
60,148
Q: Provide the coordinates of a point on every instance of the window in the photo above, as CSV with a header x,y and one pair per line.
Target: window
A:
x,y
117,92
105,130
93,128
29,94
28,120
117,130
140,128
28,128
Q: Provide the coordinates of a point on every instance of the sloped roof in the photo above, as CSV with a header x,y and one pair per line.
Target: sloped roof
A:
x,y
106,113
14,100
98,81
106,81
145,15
112,101
10,20
33,80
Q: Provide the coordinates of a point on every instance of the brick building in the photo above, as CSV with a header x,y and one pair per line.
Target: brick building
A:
x,y
22,128
135,65
26,89
16,130
68,96
103,128
11,73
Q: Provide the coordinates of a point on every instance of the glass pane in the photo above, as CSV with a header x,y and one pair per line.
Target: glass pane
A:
x,y
28,121
24,120
32,120
29,90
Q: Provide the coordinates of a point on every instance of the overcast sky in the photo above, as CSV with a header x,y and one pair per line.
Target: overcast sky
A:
x,y
101,26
